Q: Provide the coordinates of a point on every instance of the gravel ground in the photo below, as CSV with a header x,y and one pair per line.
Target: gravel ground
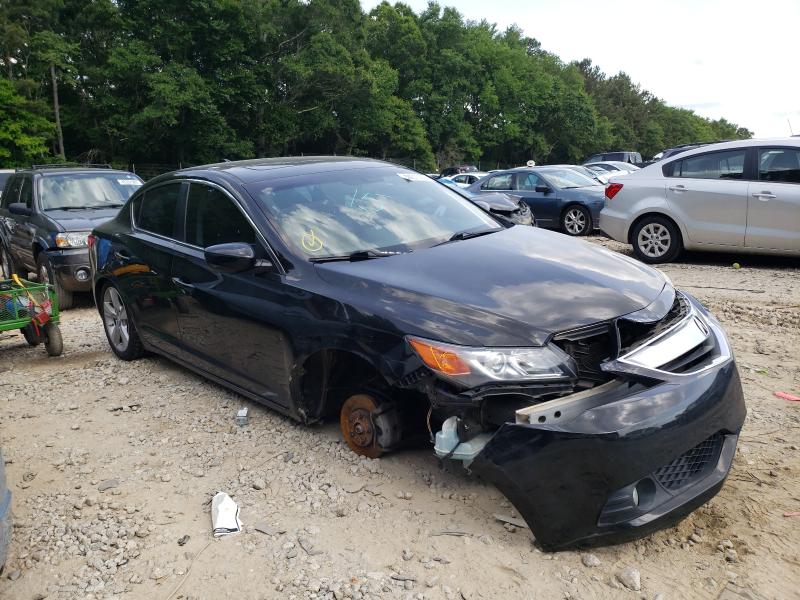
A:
x,y
113,465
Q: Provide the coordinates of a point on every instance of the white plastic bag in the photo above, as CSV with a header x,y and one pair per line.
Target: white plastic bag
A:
x,y
224,515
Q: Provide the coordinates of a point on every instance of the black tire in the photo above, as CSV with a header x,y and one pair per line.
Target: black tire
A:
x,y
31,336
46,274
656,239
7,266
118,324
53,342
576,220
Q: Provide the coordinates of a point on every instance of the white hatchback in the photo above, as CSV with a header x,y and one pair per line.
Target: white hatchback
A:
x,y
739,196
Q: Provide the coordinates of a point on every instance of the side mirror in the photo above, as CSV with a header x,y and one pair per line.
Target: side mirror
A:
x,y
19,208
542,188
231,258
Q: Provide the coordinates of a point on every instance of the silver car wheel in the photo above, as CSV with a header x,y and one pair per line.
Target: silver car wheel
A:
x,y
575,221
654,240
115,319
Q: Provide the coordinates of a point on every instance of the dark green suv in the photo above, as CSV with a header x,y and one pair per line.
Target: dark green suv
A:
x,y
46,214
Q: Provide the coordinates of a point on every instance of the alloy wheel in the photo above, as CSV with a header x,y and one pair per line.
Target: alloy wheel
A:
x,y
115,319
575,221
44,274
5,264
654,240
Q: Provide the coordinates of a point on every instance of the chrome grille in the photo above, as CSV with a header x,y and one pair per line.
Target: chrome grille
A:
x,y
690,465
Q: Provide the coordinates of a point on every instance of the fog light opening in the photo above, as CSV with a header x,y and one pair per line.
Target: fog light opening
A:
x,y
82,274
643,493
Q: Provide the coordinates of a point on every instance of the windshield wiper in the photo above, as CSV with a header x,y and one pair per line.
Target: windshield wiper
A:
x,y
465,235
353,256
84,207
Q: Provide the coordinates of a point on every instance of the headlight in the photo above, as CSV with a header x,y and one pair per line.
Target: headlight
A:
x,y
471,366
75,239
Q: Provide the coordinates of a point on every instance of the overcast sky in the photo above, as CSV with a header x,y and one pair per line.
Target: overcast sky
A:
x,y
720,58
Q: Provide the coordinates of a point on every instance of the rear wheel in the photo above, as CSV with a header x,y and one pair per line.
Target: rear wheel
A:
x,y
370,424
33,338
576,220
46,274
656,240
118,325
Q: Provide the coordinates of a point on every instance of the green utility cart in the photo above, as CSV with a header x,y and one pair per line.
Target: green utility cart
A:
x,y
33,309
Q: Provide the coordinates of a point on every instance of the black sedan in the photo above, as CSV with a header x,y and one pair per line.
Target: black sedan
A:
x,y
602,401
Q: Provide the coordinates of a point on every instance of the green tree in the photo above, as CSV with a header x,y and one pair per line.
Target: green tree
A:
x,y
23,132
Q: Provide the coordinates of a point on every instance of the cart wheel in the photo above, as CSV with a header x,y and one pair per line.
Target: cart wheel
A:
x,y
53,343
31,336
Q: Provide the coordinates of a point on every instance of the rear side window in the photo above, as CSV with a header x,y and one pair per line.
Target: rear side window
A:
x,y
779,164
213,218
714,165
498,182
157,212
11,194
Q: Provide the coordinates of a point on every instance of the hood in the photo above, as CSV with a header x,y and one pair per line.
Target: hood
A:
x,y
515,287
499,202
85,219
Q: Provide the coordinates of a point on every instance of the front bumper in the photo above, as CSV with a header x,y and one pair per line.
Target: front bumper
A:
x,y
68,265
562,477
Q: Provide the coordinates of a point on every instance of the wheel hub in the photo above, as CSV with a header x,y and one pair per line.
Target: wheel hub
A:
x,y
367,427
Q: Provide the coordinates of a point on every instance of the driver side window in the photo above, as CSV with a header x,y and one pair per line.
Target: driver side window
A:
x,y
213,218
527,182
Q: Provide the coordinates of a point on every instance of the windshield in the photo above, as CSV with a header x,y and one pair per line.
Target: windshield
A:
x,y
588,173
383,208
567,178
87,190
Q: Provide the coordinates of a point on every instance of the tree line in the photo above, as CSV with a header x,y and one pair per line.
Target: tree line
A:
x,y
195,81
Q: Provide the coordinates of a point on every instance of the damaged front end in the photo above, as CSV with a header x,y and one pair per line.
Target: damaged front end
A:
x,y
633,425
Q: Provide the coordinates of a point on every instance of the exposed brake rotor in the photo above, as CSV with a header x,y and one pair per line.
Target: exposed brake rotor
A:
x,y
368,428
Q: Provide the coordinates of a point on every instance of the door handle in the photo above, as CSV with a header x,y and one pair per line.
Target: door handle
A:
x,y
182,284
678,188
764,196
118,254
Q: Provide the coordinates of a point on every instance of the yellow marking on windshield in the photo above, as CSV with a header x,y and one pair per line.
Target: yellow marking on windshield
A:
x,y
310,241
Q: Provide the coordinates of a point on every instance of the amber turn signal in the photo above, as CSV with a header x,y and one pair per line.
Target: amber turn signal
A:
x,y
439,359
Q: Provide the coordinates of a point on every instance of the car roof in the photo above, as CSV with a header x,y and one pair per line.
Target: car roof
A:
x,y
733,145
260,169
69,170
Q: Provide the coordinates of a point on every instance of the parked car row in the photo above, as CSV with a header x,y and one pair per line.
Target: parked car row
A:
x,y
600,400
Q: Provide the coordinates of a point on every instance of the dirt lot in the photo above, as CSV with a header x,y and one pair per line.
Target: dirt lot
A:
x,y
112,463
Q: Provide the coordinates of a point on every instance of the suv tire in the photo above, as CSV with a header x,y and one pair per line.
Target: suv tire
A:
x,y
46,274
7,266
656,239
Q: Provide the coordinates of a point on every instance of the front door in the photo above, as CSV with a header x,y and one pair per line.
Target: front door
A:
x,y
231,322
543,204
773,202
708,192
23,231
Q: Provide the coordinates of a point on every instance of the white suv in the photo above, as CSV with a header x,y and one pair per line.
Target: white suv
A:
x,y
739,196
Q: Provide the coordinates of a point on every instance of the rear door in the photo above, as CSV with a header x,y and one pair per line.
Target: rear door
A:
x,y
708,194
7,222
543,204
773,203
143,260
231,322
